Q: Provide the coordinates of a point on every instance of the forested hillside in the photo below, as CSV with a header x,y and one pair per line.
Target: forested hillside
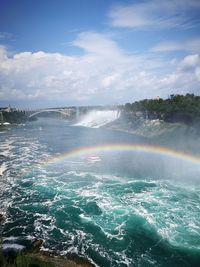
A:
x,y
177,108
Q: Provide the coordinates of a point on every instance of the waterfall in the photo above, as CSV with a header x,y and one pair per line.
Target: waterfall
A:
x,y
98,118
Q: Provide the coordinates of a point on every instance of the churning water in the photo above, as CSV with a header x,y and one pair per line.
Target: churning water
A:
x,y
129,208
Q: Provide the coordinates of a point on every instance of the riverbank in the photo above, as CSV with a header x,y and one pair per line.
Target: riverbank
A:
x,y
44,259
28,253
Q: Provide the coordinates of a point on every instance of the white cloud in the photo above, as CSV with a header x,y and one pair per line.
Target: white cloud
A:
x,y
154,14
186,75
96,43
103,74
168,47
110,80
189,62
197,73
191,45
3,52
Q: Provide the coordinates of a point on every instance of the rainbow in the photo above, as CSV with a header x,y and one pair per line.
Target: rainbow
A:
x,y
141,148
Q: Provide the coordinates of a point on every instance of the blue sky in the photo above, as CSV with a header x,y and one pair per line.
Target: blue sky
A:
x,y
88,52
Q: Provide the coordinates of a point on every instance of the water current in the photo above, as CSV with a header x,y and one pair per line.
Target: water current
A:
x,y
114,207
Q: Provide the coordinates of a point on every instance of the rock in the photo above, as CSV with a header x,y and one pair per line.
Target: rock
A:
x,y
36,244
78,261
93,208
71,260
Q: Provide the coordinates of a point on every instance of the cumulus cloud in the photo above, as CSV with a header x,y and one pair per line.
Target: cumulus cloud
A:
x,y
103,74
154,14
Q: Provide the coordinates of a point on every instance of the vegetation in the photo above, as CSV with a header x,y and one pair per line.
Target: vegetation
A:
x,y
177,108
24,261
15,117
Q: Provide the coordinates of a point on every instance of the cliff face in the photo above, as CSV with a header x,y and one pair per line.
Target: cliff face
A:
x,y
136,123
177,108
177,135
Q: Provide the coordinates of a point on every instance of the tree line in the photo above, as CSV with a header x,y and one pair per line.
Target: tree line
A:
x,y
177,108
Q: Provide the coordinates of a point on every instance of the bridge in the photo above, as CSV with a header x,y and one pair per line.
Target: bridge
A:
x,y
64,111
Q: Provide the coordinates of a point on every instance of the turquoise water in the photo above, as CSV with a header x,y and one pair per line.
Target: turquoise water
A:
x,y
129,209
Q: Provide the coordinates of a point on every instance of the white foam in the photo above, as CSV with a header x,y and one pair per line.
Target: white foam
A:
x,y
13,246
3,168
85,218
98,118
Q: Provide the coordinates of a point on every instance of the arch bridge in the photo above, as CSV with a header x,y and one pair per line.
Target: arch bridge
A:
x,y
66,112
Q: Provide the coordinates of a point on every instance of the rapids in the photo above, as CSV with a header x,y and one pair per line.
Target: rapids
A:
x,y
126,209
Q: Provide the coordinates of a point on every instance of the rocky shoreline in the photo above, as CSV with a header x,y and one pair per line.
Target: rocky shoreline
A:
x,y
144,127
71,260
44,259
25,252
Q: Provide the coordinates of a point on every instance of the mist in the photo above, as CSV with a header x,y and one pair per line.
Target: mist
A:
x,y
98,118
178,138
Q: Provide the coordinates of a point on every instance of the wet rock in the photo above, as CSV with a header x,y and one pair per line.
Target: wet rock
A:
x,y
79,261
93,208
36,244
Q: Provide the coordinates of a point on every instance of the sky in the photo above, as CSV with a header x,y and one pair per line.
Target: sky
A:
x,y
95,52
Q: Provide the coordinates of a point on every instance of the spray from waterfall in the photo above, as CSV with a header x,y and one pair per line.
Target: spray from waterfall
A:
x,y
98,118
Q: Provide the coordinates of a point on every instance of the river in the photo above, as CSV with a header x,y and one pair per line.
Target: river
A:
x,y
105,195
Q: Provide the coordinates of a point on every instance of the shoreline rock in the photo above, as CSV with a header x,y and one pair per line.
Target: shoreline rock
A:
x,y
70,260
36,244
15,250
